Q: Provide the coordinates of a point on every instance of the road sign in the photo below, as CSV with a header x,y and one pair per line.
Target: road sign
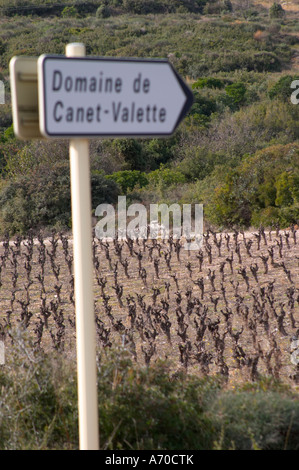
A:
x,y
91,96
24,97
80,97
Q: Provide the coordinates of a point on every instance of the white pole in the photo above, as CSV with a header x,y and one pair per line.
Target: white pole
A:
x,y
83,279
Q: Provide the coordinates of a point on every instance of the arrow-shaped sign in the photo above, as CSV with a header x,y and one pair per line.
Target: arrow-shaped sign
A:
x,y
90,97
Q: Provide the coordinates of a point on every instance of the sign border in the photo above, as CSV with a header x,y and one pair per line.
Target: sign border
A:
x,y
42,100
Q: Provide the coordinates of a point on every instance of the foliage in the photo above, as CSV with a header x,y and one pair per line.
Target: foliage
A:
x,y
36,7
41,198
276,11
131,151
267,180
127,180
208,82
282,88
198,162
103,11
69,12
191,45
230,63
236,91
258,419
44,197
44,397
165,177
203,105
145,409
237,152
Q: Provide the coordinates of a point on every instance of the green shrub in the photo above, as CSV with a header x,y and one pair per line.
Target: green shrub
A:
x,y
227,4
263,185
139,407
143,408
282,88
69,12
276,11
203,105
37,200
41,198
209,82
237,92
39,410
103,11
130,150
199,162
127,180
258,419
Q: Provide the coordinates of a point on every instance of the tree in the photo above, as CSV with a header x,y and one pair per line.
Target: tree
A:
x,y
276,11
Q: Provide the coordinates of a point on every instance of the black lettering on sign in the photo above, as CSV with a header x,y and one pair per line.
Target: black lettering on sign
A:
x,y
57,80
79,114
133,113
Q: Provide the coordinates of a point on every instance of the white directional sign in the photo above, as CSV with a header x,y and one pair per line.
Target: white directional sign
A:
x,y
89,97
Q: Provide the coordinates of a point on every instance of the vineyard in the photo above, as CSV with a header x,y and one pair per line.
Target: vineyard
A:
x,y
230,307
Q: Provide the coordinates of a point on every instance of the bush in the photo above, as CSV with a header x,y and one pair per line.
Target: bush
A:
x,y
263,185
127,180
164,178
103,11
237,92
282,88
42,199
39,410
209,82
143,408
69,12
203,105
258,419
37,200
140,408
130,150
199,162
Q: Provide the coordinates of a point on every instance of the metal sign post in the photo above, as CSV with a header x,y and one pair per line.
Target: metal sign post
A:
x,y
83,274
